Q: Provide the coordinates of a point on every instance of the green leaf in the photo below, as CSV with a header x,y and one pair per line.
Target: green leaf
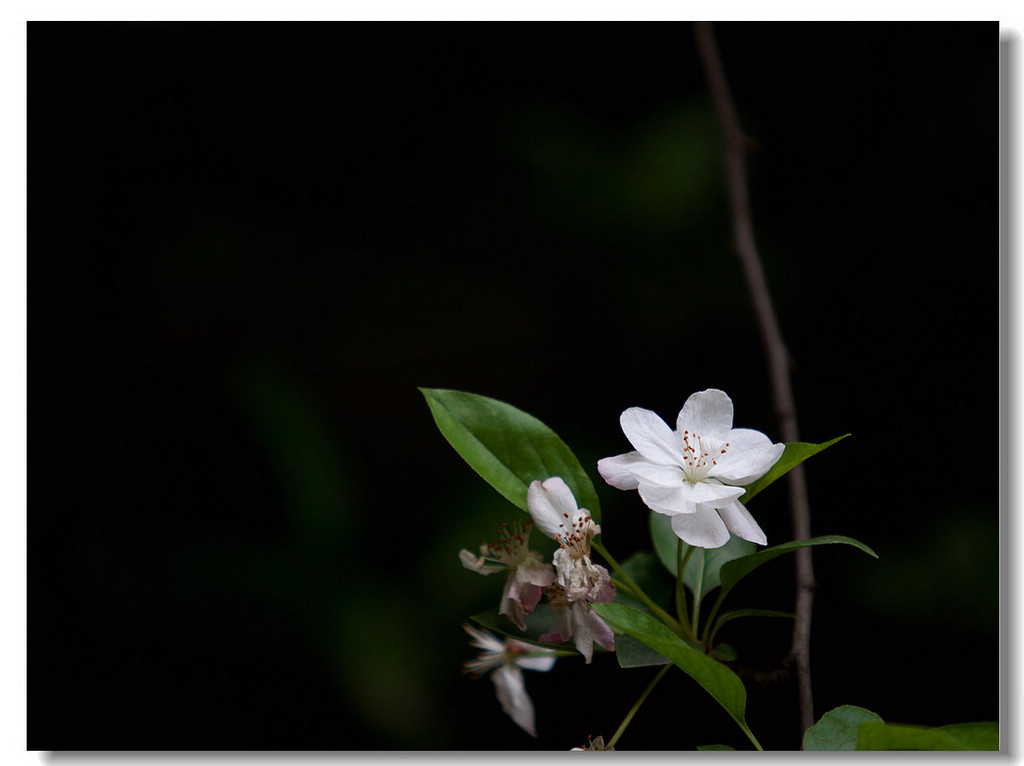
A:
x,y
734,571
665,545
715,747
962,736
507,447
633,653
753,613
643,568
724,652
795,453
716,679
538,622
837,729
973,736
645,571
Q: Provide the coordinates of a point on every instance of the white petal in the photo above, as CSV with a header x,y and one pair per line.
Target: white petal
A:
x,y
541,664
482,664
706,413
603,590
616,470
667,500
651,436
704,529
552,505
661,475
588,628
511,690
711,492
741,523
525,596
484,640
566,568
541,660
493,653
535,573
477,564
581,635
685,497
602,633
748,457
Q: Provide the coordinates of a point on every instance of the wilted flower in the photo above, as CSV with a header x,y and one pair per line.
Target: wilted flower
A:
x,y
576,619
528,575
504,660
595,743
696,473
579,581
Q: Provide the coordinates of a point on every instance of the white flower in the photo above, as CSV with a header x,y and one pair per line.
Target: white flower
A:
x,y
696,473
580,582
553,508
528,575
504,660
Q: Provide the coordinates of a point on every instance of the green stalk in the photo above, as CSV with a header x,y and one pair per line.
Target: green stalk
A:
x,y
709,630
636,706
696,593
681,561
637,591
620,585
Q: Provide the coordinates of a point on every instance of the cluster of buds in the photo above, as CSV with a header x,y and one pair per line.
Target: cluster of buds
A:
x,y
579,582
571,583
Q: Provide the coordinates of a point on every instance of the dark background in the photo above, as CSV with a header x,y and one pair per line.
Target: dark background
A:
x,y
250,243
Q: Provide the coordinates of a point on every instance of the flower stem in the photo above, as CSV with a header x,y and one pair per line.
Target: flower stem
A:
x,y
636,706
637,591
681,561
711,627
697,592
622,586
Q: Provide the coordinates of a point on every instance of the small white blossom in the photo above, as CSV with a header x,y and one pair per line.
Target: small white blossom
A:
x,y
579,581
554,510
696,473
528,575
504,660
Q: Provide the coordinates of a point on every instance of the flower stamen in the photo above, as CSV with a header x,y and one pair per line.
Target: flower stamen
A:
x,y
697,456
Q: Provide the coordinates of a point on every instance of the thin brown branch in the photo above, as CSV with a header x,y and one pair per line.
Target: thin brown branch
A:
x,y
778,356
